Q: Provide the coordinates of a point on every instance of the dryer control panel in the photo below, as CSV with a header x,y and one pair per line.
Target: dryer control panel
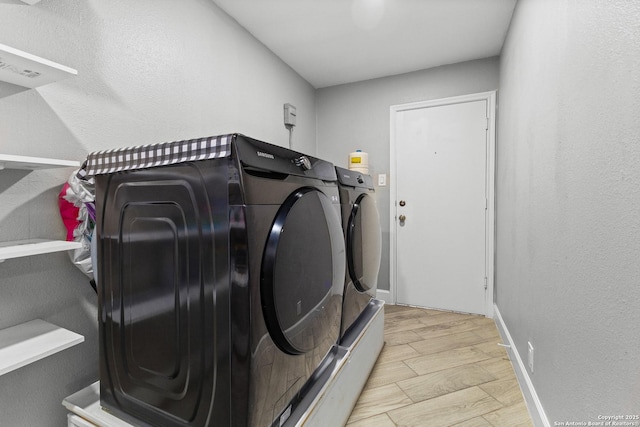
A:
x,y
354,178
272,158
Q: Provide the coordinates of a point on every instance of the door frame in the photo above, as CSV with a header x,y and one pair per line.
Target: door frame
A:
x,y
490,98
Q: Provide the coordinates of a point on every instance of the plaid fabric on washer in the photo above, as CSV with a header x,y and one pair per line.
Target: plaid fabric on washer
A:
x,y
148,156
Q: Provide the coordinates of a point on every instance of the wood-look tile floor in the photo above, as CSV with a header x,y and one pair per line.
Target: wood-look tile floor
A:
x,y
440,369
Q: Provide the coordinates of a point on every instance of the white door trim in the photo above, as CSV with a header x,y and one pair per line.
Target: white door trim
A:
x,y
490,98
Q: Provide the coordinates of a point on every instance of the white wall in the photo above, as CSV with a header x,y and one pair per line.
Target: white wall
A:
x,y
356,116
568,194
148,71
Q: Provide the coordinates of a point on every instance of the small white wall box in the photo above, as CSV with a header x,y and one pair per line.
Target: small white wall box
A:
x,y
289,115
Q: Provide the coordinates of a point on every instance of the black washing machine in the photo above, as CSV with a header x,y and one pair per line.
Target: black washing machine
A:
x,y
221,269
361,225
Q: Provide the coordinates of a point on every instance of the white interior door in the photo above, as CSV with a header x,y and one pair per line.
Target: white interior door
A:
x,y
441,196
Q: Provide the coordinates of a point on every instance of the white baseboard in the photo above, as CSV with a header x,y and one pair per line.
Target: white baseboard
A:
x,y
534,405
384,295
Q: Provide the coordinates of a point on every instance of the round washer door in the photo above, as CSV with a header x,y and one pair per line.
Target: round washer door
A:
x,y
303,269
364,244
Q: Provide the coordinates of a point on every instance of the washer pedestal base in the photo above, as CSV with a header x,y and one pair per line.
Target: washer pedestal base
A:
x,y
333,402
328,403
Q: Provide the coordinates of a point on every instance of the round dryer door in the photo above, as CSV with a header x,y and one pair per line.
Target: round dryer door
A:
x,y
303,271
364,244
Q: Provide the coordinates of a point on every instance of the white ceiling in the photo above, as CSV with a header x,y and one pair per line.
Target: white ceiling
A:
x,y
330,42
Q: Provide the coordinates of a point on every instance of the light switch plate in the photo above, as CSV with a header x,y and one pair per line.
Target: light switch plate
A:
x,y
382,179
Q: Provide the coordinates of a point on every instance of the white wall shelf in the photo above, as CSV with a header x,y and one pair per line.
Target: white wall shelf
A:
x,y
23,248
9,161
31,247
32,341
31,71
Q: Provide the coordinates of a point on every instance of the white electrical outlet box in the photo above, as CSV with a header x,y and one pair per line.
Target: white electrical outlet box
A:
x,y
382,179
530,356
289,115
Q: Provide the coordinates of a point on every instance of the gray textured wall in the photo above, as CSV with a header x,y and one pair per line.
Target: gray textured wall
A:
x,y
148,71
356,116
568,194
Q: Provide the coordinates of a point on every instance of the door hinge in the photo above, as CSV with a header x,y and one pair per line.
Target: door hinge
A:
x,y
487,128
485,283
486,203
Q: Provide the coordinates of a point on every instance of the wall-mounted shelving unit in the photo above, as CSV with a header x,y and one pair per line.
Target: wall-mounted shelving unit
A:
x,y
30,71
31,341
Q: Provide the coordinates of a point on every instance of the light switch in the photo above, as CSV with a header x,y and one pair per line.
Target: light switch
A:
x,y
382,179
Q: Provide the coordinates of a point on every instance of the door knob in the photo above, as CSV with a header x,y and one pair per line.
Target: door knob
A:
x,y
402,203
402,218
